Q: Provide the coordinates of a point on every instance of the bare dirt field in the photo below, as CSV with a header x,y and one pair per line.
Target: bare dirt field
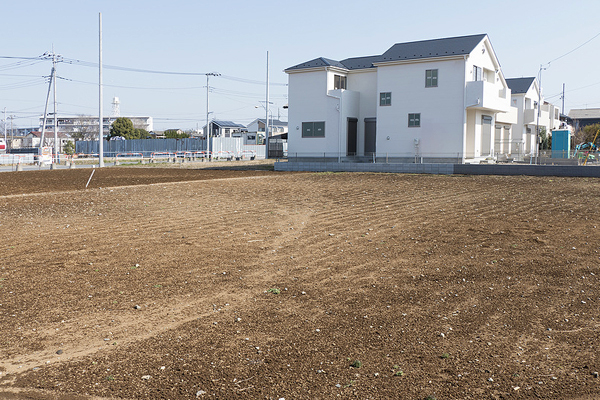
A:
x,y
158,283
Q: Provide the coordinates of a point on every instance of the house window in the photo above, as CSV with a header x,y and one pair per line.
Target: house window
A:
x,y
414,120
431,78
385,98
339,82
477,73
313,129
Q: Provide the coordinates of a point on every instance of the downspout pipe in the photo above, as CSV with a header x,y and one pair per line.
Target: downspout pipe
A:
x,y
339,123
464,146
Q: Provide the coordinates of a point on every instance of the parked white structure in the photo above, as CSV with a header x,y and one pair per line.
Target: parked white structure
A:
x,y
522,139
427,100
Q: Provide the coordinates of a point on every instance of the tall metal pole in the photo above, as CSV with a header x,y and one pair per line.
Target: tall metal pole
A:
x,y
100,98
563,100
5,138
12,131
537,128
207,121
267,113
55,159
207,110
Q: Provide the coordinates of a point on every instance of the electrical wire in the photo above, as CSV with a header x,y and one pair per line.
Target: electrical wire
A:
x,y
576,48
73,61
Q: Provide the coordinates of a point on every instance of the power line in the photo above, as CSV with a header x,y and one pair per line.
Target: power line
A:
x,y
149,71
576,48
572,90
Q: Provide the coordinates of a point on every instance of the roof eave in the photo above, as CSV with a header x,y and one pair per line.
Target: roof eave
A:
x,y
309,69
421,60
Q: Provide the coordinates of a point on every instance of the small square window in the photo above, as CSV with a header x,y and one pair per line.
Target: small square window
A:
x,y
339,82
414,120
385,98
431,78
313,129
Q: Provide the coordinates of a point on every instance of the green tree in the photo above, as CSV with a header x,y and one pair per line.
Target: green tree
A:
x,y
142,134
586,135
69,148
122,127
175,134
545,139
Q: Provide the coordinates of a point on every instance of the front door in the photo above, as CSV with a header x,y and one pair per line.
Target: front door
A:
x,y
370,136
352,136
486,135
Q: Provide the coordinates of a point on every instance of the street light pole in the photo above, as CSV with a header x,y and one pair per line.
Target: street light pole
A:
x,y
267,113
5,138
208,112
100,98
55,114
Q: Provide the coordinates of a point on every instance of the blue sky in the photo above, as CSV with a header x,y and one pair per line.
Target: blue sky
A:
x,y
232,38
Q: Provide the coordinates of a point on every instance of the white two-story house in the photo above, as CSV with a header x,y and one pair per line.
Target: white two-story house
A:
x,y
525,96
432,100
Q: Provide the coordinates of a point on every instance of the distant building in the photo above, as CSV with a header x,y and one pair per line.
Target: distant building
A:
x,y
33,139
584,117
276,127
224,129
88,124
525,96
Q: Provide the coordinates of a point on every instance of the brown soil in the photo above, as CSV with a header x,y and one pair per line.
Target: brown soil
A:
x,y
186,283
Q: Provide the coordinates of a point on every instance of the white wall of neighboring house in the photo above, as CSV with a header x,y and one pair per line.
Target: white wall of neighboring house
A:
x,y
484,98
364,82
308,101
441,108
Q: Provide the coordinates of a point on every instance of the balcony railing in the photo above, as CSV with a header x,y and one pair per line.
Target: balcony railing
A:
x,y
486,95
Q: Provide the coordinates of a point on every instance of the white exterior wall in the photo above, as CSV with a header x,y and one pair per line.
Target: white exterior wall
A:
x,y
308,102
365,83
490,97
441,109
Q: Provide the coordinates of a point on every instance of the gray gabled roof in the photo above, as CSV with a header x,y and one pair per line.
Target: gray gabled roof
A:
x,y
360,62
274,122
454,46
318,62
519,85
584,113
446,47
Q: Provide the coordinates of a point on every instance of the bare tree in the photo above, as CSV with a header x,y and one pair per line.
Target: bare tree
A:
x,y
85,129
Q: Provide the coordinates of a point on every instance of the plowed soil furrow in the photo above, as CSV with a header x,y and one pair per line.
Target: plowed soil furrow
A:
x,y
236,284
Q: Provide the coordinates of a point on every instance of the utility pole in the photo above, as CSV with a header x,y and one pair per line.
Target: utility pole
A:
x,y
5,138
12,132
100,99
267,113
208,75
563,100
55,159
52,80
537,128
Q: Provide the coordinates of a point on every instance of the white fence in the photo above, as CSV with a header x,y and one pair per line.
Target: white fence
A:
x,y
10,159
148,146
